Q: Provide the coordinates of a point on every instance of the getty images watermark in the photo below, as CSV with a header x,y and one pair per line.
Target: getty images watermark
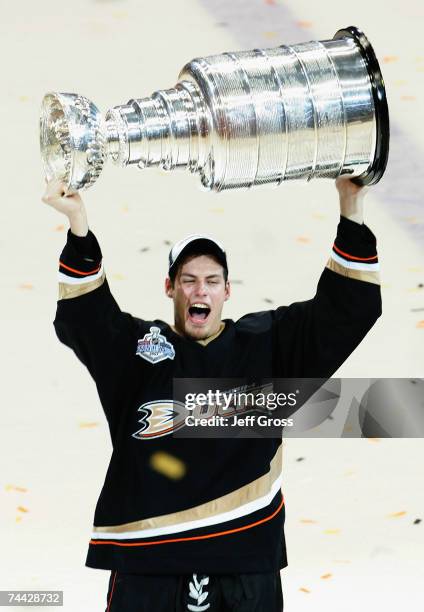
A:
x,y
296,407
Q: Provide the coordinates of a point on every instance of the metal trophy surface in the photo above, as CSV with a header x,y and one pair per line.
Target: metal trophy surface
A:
x,y
312,110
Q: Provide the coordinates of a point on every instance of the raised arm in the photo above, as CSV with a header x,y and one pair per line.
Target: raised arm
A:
x,y
315,337
88,319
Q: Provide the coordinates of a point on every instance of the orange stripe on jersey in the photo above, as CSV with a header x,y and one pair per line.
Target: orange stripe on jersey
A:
x,y
111,592
202,537
353,256
78,271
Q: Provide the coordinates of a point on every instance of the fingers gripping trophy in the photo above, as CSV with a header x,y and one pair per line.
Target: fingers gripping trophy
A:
x,y
238,120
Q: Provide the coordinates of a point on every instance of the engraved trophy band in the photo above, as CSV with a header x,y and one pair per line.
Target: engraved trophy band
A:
x,y
312,110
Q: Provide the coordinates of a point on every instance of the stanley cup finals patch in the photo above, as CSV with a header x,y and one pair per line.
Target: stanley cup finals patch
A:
x,y
154,347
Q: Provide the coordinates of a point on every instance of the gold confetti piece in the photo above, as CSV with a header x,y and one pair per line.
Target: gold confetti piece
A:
x,y
18,519
332,531
326,576
22,509
304,590
86,425
125,209
349,473
308,521
26,286
216,210
389,59
168,465
303,239
23,98
270,34
420,325
11,487
59,228
408,98
304,24
397,514
319,216
118,276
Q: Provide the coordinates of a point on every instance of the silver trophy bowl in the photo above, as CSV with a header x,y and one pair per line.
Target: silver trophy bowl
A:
x,y
312,110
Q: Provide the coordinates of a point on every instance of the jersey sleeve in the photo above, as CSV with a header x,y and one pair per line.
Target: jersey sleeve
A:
x,y
313,338
88,319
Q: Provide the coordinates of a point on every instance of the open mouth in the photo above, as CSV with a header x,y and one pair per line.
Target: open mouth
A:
x,y
198,313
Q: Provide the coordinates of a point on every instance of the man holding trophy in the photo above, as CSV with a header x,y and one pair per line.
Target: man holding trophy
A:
x,y
213,537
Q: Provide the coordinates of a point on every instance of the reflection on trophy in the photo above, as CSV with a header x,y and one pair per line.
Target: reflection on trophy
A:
x,y
312,110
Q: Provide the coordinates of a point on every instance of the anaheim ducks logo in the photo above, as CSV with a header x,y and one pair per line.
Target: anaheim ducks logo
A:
x,y
161,418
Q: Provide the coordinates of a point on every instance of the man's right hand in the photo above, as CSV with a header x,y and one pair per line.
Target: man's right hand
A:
x,y
70,205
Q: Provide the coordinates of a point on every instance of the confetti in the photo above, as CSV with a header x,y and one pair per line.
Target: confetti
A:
x,y
236,282
304,24
26,286
268,301
349,473
420,324
396,514
300,459
125,209
118,276
408,98
304,590
303,239
326,576
270,34
319,216
331,531
18,519
22,509
168,465
144,249
23,98
216,210
417,521
308,521
167,242
87,425
59,228
15,488
417,309
389,59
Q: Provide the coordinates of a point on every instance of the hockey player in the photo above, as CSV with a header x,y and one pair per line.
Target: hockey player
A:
x,y
212,538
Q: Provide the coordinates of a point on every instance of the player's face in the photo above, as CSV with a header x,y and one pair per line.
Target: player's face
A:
x,y
199,293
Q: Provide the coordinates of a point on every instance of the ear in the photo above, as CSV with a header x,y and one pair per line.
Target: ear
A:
x,y
169,290
227,290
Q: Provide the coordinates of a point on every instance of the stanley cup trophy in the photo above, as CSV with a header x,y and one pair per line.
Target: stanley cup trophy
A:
x,y
312,110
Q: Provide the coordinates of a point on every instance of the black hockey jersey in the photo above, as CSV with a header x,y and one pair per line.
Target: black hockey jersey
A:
x,y
216,506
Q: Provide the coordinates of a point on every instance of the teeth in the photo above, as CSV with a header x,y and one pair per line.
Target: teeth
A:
x,y
200,306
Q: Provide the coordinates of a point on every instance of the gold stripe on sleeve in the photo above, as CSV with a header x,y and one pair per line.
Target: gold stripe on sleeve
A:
x,y
67,291
363,275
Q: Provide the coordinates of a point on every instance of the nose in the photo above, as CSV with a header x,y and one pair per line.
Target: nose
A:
x,y
201,288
